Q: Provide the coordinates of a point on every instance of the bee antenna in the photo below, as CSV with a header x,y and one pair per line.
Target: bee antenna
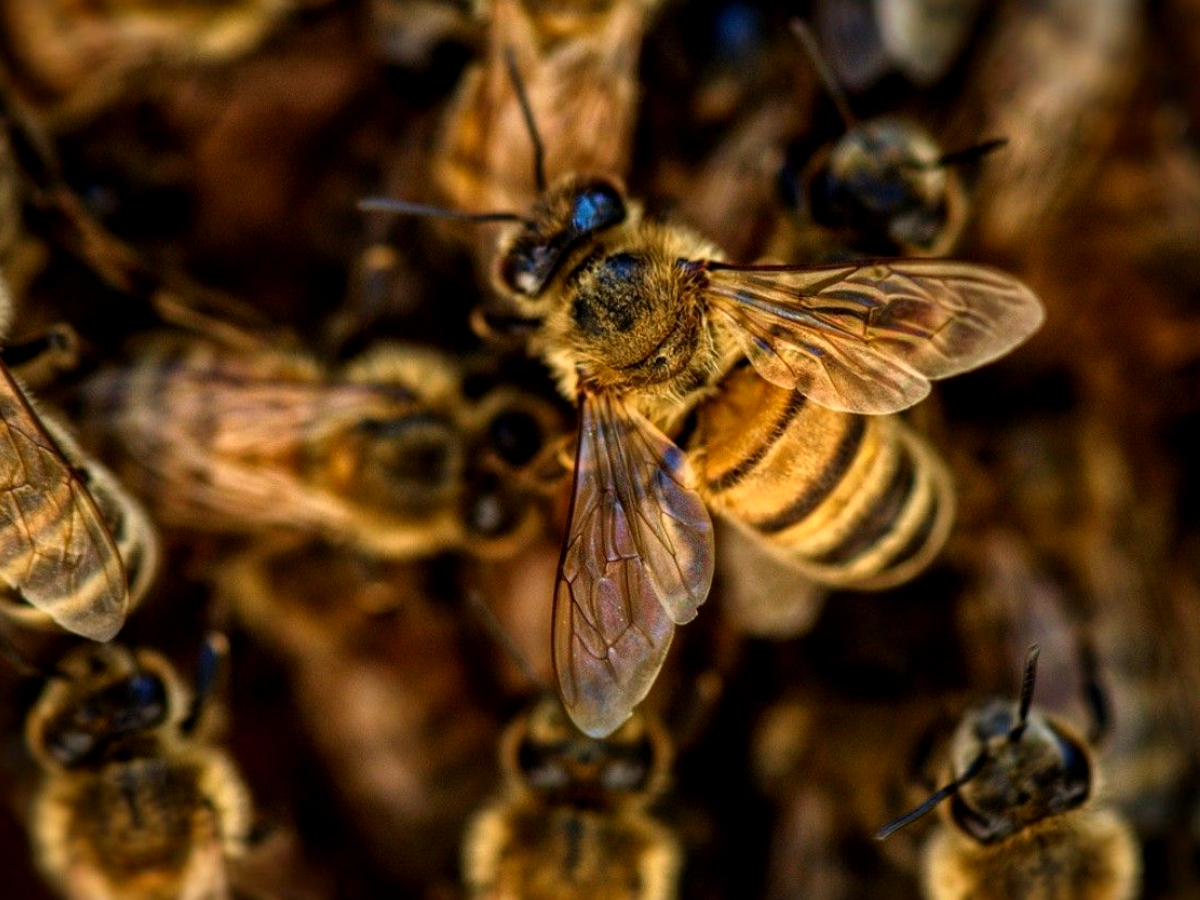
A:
x,y
972,153
809,41
933,800
487,617
1098,702
213,656
1027,684
539,152
408,208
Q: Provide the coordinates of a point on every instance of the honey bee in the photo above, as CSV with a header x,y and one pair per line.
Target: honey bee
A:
x,y
1022,819
384,453
73,546
133,804
572,820
775,377
581,57
126,524
886,187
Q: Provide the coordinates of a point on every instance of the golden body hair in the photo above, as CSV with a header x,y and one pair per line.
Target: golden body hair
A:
x,y
134,805
385,453
572,820
1084,855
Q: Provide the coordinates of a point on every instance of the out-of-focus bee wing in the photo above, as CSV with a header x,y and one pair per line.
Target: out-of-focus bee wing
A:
x,y
54,546
637,560
869,337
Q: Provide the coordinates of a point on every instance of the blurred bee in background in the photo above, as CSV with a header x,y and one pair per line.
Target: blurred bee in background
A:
x,y
134,804
641,322
1023,820
384,453
1066,547
573,819
72,60
74,547
581,61
884,188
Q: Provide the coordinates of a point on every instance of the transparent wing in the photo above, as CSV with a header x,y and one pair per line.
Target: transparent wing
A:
x,y
55,549
638,560
868,338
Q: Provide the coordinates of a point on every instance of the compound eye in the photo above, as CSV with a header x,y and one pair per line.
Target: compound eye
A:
x,y
516,436
145,703
597,207
146,689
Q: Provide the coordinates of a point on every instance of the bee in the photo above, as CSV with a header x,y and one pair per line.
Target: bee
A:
x,y
885,187
74,546
582,60
126,524
133,805
384,453
572,820
790,368
1022,821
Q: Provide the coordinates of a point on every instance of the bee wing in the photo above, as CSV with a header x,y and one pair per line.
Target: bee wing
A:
x,y
55,549
637,560
868,338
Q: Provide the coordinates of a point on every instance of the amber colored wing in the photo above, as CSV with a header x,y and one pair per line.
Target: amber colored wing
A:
x,y
637,560
54,547
868,338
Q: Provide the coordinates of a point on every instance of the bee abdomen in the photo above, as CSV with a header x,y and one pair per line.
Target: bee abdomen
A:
x,y
856,501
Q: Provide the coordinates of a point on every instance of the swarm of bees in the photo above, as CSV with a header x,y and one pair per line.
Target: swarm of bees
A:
x,y
384,383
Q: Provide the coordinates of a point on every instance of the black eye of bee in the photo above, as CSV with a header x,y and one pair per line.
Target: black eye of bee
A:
x,y
537,254
516,436
129,705
141,702
542,766
597,207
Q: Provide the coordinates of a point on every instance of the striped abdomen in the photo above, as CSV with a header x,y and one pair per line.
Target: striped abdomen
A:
x,y
854,501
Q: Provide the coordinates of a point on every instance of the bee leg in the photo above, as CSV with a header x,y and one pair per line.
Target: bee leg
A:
x,y
37,360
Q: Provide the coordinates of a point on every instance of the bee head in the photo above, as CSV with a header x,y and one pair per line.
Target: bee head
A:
x,y
1031,770
572,211
555,760
105,695
1012,767
884,178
